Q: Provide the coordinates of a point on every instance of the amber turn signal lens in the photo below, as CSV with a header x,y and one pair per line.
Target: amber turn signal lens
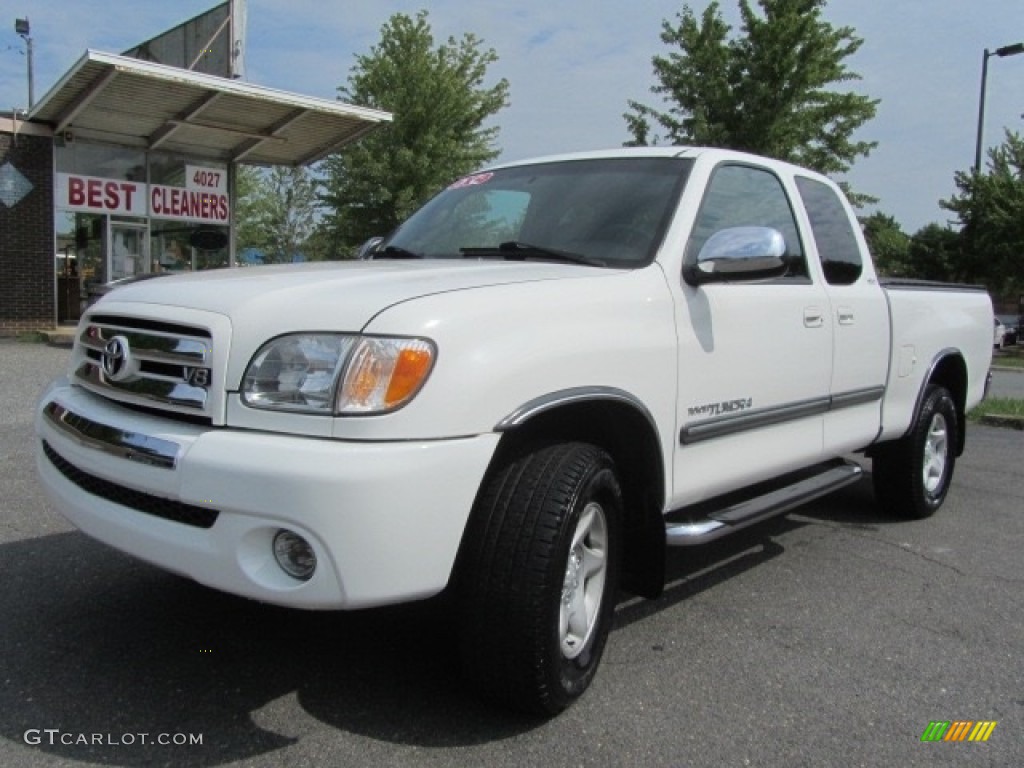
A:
x,y
384,374
410,371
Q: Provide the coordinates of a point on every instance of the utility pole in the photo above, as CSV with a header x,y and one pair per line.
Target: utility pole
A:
x,y
1006,50
21,27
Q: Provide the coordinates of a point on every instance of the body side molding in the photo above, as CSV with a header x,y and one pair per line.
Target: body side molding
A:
x,y
733,423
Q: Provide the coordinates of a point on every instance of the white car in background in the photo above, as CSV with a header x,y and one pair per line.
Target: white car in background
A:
x,y
1011,329
999,334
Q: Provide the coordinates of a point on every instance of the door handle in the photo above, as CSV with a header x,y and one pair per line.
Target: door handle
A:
x,y
813,317
845,316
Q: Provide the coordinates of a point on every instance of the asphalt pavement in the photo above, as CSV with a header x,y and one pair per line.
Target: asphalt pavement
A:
x,y
831,637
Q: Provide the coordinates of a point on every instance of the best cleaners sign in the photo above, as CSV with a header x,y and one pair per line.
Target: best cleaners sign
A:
x,y
203,199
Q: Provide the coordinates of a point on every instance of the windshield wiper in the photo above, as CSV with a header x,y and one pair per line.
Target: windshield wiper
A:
x,y
396,252
514,249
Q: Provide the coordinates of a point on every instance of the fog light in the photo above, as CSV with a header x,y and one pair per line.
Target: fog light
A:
x,y
294,554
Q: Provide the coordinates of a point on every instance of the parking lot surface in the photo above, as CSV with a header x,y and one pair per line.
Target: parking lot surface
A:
x,y
831,637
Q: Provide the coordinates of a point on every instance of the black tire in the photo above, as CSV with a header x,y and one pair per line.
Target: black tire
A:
x,y
912,475
518,645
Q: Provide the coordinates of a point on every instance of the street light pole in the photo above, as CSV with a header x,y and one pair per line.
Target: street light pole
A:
x,y
21,27
1006,50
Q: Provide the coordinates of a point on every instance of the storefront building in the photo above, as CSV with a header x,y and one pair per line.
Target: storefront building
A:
x,y
125,168
27,283
121,212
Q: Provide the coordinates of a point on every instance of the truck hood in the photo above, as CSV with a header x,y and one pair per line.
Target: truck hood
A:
x,y
329,296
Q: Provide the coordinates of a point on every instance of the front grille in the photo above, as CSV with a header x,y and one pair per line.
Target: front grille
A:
x,y
147,363
167,509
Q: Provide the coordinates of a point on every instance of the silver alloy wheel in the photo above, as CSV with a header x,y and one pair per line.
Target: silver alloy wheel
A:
x,y
583,588
936,450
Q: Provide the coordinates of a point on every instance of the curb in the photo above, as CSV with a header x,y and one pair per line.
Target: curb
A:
x,y
56,338
1009,422
63,340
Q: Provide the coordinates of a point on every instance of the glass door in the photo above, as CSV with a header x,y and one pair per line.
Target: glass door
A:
x,y
128,249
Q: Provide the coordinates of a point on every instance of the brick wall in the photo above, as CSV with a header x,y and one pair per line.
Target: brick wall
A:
x,y
27,290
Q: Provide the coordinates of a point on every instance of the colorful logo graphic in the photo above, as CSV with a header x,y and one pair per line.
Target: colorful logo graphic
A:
x,y
958,730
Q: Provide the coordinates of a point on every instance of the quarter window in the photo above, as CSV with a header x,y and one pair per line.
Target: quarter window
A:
x,y
840,255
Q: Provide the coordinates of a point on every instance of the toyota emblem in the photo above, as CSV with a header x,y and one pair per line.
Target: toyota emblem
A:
x,y
117,359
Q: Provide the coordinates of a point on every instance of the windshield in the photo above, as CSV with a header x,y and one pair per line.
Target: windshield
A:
x,y
610,212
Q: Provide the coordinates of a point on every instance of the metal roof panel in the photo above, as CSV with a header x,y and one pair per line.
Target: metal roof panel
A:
x,y
139,103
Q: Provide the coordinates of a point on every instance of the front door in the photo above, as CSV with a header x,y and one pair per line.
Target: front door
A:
x,y
128,249
755,358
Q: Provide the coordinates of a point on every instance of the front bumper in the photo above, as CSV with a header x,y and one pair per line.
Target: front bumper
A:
x,y
384,518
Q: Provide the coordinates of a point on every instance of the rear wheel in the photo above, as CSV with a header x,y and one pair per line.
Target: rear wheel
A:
x,y
539,575
912,475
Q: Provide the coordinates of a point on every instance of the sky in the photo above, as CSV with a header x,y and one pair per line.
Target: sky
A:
x,y
572,66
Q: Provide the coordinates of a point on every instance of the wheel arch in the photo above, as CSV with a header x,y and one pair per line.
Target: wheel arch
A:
x,y
621,425
948,370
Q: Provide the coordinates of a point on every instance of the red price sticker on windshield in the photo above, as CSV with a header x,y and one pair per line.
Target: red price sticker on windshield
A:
x,y
472,181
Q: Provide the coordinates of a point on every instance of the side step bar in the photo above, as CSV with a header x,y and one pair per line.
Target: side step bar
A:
x,y
745,513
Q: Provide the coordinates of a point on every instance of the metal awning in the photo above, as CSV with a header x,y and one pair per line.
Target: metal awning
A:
x,y
121,100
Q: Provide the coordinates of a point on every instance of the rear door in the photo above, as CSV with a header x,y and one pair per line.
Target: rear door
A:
x,y
859,318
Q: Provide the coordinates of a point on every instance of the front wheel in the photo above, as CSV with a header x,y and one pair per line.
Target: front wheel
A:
x,y
538,577
912,475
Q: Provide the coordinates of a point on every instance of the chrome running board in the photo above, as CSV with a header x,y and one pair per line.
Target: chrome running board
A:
x,y
745,513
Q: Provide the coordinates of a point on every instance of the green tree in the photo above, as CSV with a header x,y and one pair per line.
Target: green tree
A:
x,y
990,207
440,104
277,211
247,187
888,243
768,90
934,253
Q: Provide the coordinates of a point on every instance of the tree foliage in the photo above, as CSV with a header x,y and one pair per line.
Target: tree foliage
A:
x,y
931,253
888,243
990,208
440,104
768,90
987,244
277,211
934,253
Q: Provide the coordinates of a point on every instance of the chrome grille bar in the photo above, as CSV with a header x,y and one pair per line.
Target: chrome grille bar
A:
x,y
145,390
167,349
161,365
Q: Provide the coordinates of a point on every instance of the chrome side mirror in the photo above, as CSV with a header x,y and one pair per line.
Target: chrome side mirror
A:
x,y
738,253
369,248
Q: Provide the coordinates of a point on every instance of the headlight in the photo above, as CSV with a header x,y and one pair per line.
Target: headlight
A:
x,y
297,373
336,374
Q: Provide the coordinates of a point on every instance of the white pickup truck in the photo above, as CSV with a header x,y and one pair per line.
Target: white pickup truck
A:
x,y
548,374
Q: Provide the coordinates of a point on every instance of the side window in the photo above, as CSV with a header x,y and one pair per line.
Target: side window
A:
x,y
841,259
743,196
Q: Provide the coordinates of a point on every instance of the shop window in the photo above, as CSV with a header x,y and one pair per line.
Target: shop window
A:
x,y
179,246
167,168
100,160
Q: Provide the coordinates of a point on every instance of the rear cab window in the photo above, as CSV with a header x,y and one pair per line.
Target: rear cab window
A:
x,y
841,259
